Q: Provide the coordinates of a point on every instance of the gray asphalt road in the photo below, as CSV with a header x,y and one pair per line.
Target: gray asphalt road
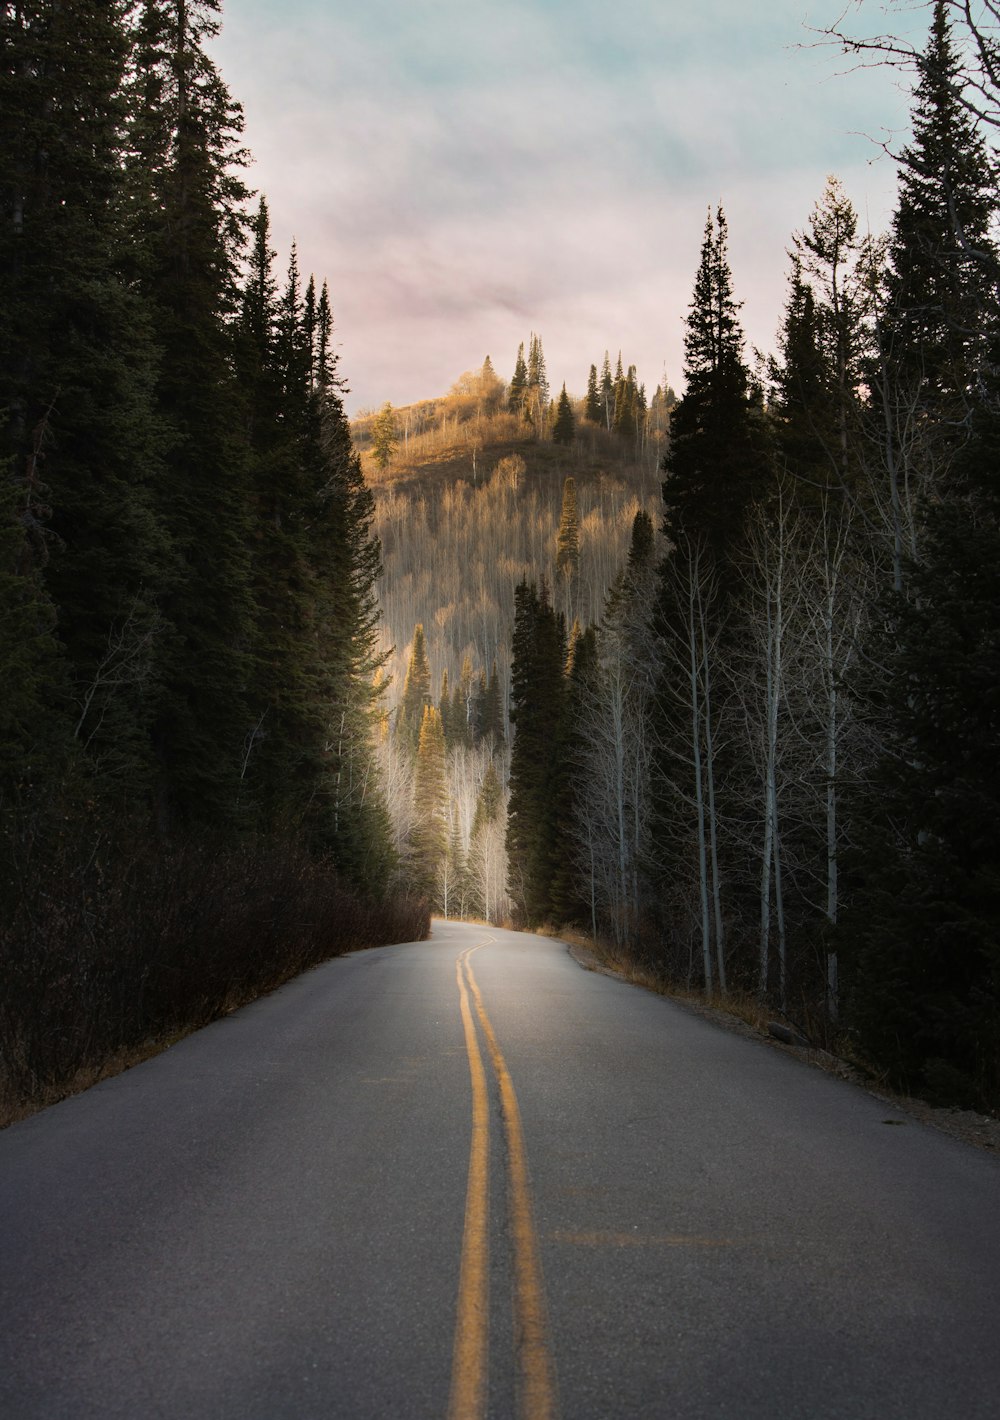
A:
x,y
298,1212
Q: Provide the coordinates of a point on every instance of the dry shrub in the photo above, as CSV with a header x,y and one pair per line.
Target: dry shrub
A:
x,y
102,961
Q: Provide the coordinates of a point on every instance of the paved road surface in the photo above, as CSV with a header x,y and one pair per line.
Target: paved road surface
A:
x,y
466,1178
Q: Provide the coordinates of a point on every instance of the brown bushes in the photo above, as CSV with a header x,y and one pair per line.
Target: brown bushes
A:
x,y
105,962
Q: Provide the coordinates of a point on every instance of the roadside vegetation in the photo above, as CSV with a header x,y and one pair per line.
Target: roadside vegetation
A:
x,y
107,961
190,808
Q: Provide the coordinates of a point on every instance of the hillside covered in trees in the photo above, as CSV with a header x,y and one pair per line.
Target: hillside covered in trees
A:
x,y
475,493
743,726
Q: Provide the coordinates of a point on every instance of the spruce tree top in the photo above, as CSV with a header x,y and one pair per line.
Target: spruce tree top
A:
x,y
944,265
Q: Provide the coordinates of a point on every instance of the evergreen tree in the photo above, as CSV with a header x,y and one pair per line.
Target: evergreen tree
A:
x,y
943,263
286,685
640,552
628,404
537,378
517,390
384,438
344,557
324,357
416,690
592,408
536,398
488,709
310,327
564,428
453,879
489,801
839,269
715,467
429,838
607,393
79,435
923,928
185,213
538,771
444,710
575,887
803,399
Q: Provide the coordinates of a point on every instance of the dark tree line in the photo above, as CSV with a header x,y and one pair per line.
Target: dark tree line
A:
x,y
777,769
188,568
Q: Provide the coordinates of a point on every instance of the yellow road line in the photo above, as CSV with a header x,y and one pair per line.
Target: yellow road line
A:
x,y
536,1381
470,1354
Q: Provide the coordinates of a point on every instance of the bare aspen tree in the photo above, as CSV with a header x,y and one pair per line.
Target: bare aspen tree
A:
x,y
691,652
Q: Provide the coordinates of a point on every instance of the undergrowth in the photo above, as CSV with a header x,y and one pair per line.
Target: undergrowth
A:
x,y
106,962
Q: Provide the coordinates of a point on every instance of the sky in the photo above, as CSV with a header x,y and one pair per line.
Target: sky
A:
x,y
464,174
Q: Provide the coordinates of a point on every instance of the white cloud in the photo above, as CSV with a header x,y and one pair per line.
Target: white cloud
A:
x,y
464,174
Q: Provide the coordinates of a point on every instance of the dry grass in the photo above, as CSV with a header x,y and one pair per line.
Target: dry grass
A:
x,y
448,447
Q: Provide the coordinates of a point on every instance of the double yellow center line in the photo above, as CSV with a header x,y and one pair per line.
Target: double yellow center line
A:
x,y
536,1387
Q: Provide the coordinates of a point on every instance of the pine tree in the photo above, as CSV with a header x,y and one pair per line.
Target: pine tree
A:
x,y
803,399
345,560
488,709
922,931
429,839
564,428
185,216
324,358
717,470
592,408
286,707
453,878
489,801
384,438
628,406
536,399
79,433
416,690
839,269
607,393
444,710
715,467
943,263
640,552
538,772
517,390
537,378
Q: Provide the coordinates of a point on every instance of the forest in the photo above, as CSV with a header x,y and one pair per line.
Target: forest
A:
x,y
189,629
711,678
740,727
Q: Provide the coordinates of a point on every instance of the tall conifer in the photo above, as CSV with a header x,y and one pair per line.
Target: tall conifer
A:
x,y
429,839
564,428
592,408
714,467
538,770
943,263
